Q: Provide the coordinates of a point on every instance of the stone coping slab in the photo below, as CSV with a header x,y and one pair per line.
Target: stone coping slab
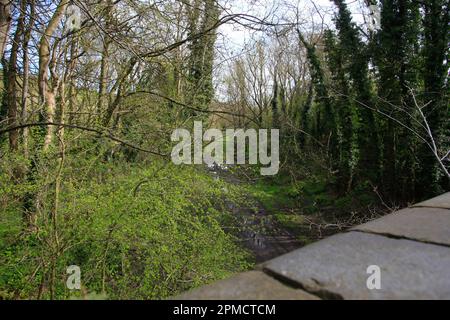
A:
x,y
430,225
337,267
442,201
252,285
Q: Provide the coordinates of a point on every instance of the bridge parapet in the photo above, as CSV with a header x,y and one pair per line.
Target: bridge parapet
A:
x,y
410,248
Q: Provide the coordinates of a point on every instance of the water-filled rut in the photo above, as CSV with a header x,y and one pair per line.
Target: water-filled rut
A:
x,y
259,231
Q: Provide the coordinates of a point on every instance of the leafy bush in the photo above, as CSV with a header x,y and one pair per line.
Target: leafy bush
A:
x,y
135,233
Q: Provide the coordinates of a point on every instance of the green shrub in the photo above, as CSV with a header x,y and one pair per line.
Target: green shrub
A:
x,y
135,233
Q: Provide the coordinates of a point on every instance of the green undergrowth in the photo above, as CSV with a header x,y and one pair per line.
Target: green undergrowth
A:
x,y
145,232
303,206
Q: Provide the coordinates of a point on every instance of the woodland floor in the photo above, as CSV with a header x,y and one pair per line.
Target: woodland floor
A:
x,y
268,229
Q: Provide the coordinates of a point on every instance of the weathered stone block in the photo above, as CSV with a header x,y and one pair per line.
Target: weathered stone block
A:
x,y
252,285
337,267
421,224
442,201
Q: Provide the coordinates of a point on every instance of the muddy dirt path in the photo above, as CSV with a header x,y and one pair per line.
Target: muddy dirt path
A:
x,y
264,237
259,231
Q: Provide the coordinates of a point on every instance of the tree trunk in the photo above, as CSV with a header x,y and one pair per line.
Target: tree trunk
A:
x,y
46,94
26,74
5,23
11,74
